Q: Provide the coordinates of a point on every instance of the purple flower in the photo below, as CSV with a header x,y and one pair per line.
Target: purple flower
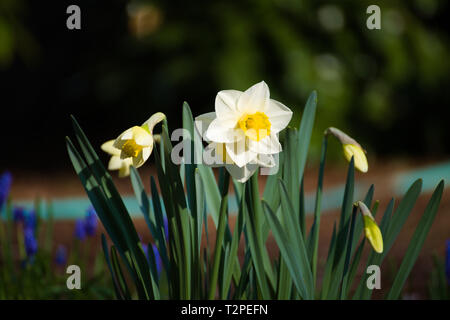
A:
x,y
447,261
30,220
18,214
157,258
61,255
145,248
31,244
166,228
80,230
156,254
5,186
90,221
88,225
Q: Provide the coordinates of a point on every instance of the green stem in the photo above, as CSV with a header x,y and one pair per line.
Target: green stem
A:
x,y
348,254
316,225
218,248
219,236
256,204
21,244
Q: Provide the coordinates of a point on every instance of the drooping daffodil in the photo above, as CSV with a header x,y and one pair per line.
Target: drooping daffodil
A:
x,y
133,147
351,149
371,230
115,162
243,129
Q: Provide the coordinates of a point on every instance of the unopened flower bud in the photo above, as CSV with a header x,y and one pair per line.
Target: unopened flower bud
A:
x,y
371,230
351,149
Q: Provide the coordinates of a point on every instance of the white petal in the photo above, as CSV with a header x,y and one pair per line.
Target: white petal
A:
x,y
279,116
203,121
254,99
122,139
124,171
226,106
241,174
126,135
269,164
142,137
239,153
115,163
154,120
146,152
218,133
108,147
266,160
268,145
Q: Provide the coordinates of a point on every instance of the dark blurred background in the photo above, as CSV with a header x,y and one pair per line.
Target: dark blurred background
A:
x,y
388,88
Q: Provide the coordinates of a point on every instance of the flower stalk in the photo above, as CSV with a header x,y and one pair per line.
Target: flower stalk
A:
x,y
314,233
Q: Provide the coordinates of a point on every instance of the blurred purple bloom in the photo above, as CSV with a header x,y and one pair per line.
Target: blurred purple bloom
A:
x,y
18,214
30,220
90,221
166,228
156,254
31,244
447,261
61,255
5,186
80,230
157,258
145,248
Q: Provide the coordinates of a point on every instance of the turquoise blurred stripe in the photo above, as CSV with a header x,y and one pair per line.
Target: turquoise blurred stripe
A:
x,y
73,208
431,175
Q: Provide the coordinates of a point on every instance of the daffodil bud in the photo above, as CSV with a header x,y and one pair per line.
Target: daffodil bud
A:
x,y
351,149
371,230
157,138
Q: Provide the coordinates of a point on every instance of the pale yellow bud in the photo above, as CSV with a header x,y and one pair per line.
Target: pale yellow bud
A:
x,y
351,150
371,229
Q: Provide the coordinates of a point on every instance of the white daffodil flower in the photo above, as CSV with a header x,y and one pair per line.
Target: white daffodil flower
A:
x,y
137,142
116,163
245,126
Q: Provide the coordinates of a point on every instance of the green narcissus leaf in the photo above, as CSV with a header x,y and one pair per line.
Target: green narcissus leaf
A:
x,y
416,242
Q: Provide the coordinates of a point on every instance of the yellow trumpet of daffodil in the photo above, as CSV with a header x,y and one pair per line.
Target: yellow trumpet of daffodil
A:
x,y
137,142
371,230
351,149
